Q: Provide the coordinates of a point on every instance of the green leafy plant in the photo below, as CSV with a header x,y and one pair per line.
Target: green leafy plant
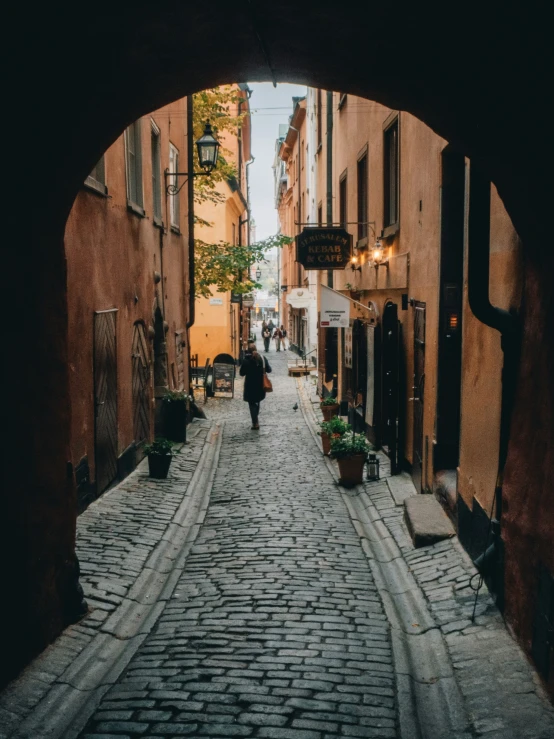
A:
x,y
349,445
329,401
227,266
336,426
160,446
173,396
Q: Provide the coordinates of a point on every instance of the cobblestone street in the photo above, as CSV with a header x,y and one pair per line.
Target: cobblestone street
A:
x,y
287,609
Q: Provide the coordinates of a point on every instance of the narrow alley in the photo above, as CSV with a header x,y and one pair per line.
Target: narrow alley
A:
x,y
293,614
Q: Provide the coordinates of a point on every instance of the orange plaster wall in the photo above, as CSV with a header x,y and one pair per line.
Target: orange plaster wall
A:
x,y
112,255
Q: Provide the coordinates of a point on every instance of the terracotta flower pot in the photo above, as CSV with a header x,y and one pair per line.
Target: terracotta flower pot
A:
x,y
329,411
158,465
351,470
326,443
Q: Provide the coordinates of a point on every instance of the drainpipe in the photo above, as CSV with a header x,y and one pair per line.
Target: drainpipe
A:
x,y
507,324
190,193
330,171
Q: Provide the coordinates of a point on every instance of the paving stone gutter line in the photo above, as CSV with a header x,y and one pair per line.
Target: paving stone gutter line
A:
x,y
72,698
436,696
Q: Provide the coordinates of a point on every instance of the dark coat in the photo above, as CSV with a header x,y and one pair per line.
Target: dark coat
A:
x,y
253,375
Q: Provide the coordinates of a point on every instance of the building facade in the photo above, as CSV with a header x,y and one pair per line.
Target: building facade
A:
x,y
221,322
427,381
127,251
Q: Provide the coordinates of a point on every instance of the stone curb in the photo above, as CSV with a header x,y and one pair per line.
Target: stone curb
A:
x,y
429,701
63,712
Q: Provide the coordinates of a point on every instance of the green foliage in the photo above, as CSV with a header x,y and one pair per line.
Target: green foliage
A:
x,y
174,396
329,401
335,426
223,266
159,446
218,106
349,445
227,266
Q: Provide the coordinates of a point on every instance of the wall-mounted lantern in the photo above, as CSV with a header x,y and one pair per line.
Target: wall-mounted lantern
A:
x,y
378,255
258,274
208,152
354,264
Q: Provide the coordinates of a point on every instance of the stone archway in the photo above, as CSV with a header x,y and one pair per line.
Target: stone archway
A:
x,y
465,76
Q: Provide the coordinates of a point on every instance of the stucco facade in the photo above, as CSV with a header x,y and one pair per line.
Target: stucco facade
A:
x,y
219,327
128,297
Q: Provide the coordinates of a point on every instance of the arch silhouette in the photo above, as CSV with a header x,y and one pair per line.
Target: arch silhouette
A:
x,y
472,72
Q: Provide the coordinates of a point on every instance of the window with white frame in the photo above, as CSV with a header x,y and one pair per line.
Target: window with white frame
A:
x,y
97,177
173,199
133,162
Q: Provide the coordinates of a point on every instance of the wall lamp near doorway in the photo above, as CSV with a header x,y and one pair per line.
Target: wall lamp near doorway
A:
x,y
379,257
354,264
208,151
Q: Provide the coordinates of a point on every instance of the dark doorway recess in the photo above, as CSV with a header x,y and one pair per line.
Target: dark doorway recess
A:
x,y
105,398
446,449
391,425
331,356
418,396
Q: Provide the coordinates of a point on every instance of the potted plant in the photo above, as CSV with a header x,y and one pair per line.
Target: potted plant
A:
x,y
159,454
329,408
330,430
351,452
174,414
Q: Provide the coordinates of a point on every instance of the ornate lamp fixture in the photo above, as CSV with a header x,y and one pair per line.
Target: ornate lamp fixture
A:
x,y
378,256
354,264
208,151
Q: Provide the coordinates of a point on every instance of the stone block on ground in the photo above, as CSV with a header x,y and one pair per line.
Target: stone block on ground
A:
x,y
426,520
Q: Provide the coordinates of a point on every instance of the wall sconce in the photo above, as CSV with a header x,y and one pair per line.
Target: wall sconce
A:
x,y
379,258
354,266
207,147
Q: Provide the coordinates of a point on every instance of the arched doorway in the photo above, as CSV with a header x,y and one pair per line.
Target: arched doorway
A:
x,y
168,50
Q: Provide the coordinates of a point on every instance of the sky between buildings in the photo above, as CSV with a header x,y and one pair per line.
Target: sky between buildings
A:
x,y
270,106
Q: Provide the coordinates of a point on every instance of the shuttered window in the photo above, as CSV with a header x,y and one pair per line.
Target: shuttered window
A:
x,y
343,217
391,175
155,142
174,199
362,197
133,160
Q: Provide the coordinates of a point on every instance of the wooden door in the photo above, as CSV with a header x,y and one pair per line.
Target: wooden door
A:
x,y
418,393
141,385
391,385
105,398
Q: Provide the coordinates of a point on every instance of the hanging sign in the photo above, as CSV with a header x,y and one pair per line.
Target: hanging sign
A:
x,y
224,380
324,248
334,309
235,297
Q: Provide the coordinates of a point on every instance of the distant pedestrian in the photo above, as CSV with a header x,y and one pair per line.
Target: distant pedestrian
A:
x,y
271,326
284,338
266,336
278,338
252,369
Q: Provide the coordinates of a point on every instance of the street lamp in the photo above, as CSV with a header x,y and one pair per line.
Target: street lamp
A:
x,y
208,151
258,274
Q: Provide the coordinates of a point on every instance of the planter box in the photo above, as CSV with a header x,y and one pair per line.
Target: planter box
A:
x,y
329,411
158,465
351,470
174,419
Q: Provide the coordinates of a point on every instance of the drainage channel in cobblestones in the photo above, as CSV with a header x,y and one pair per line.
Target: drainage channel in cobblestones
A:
x,y
455,677
132,543
275,629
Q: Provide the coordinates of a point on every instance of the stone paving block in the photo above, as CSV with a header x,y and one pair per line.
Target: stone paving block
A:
x,y
426,520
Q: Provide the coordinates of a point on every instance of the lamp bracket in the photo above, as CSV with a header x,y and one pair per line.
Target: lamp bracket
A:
x,y
173,189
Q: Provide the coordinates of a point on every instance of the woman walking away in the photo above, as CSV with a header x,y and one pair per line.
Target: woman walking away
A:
x,y
283,338
266,336
252,369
